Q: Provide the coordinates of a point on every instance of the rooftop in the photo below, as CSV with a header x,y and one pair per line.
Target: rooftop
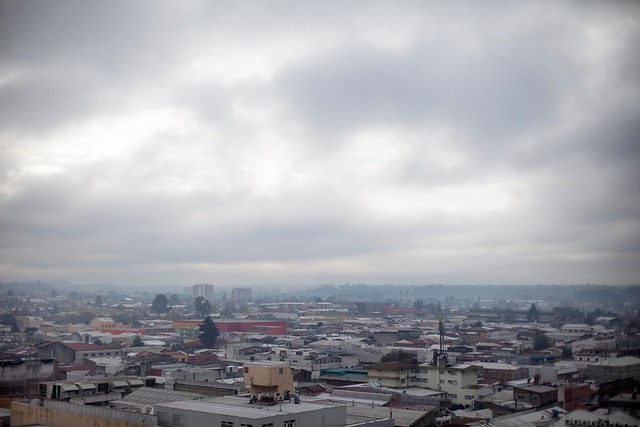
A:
x,y
619,361
80,346
240,407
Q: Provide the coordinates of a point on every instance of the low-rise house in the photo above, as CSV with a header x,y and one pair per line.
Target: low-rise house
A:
x,y
536,395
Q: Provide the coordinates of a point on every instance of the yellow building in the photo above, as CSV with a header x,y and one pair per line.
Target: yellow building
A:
x,y
458,381
393,374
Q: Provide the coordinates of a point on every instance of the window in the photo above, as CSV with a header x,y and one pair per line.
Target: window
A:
x,y
246,425
441,381
267,425
453,373
453,382
290,423
163,418
468,397
246,369
453,395
178,419
227,424
441,371
281,371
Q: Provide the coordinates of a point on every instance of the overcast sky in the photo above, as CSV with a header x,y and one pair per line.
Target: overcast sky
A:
x,y
300,142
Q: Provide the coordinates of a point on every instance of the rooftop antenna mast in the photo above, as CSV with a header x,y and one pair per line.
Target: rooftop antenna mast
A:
x,y
442,354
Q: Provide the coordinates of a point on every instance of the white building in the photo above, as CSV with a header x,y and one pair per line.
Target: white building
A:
x,y
203,290
230,411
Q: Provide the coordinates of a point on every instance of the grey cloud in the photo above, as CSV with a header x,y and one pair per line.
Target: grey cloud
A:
x,y
190,201
48,99
501,92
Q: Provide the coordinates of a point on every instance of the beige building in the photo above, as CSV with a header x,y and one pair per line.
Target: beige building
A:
x,y
25,322
102,323
268,378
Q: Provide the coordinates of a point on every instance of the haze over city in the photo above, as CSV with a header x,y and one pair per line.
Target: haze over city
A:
x,y
168,143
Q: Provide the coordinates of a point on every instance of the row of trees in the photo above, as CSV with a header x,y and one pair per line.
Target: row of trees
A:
x,y
162,305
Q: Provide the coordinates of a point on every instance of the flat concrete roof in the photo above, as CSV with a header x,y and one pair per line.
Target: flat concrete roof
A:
x,y
240,407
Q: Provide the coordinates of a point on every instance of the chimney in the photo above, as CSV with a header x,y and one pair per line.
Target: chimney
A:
x,y
536,379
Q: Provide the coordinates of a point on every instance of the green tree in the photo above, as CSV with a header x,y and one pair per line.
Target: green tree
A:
x,y
208,332
418,304
203,307
98,341
31,331
533,315
160,304
361,307
540,341
591,317
568,314
99,301
137,341
399,356
174,299
84,317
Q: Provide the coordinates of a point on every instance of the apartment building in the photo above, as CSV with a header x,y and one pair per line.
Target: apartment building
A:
x,y
458,381
393,374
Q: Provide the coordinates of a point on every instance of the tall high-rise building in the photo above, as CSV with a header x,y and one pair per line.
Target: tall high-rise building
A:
x,y
203,290
241,294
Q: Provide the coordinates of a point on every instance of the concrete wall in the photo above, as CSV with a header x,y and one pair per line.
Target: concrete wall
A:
x,y
61,414
22,377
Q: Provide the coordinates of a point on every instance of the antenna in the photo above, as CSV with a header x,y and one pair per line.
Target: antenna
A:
x,y
441,334
442,354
